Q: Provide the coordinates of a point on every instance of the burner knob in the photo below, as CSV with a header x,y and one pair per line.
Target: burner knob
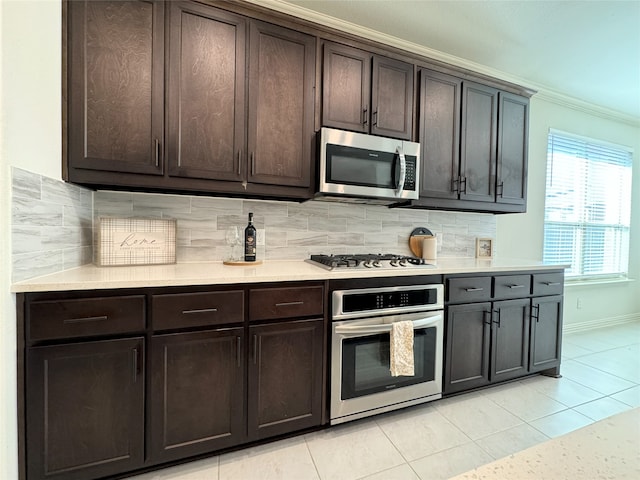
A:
x,y
367,264
403,263
376,263
393,263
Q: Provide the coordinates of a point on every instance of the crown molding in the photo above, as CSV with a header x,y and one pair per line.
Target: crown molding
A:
x,y
544,92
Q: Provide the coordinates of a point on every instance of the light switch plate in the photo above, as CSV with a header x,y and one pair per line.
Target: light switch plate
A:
x,y
260,234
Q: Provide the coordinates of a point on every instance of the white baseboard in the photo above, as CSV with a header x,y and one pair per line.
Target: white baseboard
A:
x,y
600,323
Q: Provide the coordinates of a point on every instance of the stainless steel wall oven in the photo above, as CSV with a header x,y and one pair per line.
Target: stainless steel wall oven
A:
x,y
362,318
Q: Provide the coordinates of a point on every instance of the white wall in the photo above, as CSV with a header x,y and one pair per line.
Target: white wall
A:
x,y
522,235
30,138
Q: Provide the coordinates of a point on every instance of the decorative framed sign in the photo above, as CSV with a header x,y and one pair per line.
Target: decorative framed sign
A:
x,y
484,248
135,241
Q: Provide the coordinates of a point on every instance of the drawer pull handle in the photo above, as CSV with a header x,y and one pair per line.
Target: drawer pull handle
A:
x,y
238,345
551,284
288,304
200,310
85,319
474,289
516,286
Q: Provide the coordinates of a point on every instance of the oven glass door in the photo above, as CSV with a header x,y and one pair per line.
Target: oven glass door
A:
x,y
366,363
356,166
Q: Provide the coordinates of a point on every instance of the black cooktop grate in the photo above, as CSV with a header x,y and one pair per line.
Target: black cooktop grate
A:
x,y
375,260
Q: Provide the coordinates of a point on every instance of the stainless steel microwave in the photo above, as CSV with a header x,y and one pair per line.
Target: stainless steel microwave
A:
x,y
367,169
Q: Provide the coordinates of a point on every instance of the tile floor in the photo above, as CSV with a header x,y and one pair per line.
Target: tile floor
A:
x,y
600,377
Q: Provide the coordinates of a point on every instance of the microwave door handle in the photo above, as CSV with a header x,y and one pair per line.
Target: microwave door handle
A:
x,y
403,171
359,330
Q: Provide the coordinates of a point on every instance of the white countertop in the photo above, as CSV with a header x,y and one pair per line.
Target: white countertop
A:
x,y
91,277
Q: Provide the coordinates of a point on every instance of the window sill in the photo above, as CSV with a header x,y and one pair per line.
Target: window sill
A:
x,y
598,282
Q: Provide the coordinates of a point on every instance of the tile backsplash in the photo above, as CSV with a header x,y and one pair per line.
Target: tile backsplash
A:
x,y
296,230
52,225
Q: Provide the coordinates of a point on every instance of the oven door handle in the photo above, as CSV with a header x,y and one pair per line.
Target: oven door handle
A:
x,y
357,330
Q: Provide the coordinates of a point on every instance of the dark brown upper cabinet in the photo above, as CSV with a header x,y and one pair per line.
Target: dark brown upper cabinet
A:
x,y
440,98
238,101
115,87
366,93
513,142
281,106
206,92
474,144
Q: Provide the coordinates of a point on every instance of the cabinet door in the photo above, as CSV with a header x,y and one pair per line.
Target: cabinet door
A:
x,y
346,88
478,144
392,98
86,409
439,134
546,332
115,86
206,92
513,141
285,377
510,339
197,393
467,346
281,106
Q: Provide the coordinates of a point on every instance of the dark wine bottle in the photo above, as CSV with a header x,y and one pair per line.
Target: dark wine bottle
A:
x,y
250,241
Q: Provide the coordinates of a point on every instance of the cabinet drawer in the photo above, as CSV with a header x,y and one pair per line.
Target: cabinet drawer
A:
x,y
512,286
85,317
548,283
470,289
179,310
271,303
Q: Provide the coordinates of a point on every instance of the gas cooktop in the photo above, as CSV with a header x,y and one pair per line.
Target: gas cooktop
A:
x,y
373,260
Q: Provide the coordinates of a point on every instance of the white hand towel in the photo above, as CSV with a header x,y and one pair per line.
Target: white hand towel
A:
x,y
401,346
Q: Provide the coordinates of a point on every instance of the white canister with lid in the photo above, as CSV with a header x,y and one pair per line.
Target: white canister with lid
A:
x,y
430,247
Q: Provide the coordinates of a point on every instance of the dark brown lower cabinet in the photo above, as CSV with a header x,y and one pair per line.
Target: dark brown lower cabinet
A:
x,y
546,333
285,377
197,393
505,338
85,405
510,339
467,346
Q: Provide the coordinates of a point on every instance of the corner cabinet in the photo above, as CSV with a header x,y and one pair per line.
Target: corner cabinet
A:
x,y
366,93
474,142
84,385
115,88
239,103
501,327
125,380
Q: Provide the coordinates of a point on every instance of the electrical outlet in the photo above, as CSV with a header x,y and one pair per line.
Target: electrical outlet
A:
x,y
579,303
260,237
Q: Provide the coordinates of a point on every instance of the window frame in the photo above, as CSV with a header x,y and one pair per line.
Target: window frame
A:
x,y
582,225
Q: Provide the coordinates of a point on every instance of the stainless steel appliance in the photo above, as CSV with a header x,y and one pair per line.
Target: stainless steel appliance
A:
x,y
361,382
367,169
372,260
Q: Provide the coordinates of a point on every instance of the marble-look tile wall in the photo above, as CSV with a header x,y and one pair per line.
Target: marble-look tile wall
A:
x,y
296,230
51,225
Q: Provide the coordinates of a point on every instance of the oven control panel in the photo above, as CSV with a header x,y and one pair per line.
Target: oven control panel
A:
x,y
386,300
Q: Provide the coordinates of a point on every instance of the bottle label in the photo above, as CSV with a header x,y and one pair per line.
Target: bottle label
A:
x,y
250,246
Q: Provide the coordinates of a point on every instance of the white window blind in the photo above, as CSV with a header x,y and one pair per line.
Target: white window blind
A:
x,y
587,206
